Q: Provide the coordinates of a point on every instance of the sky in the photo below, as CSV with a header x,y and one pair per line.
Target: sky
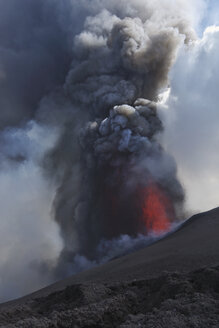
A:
x,y
191,130
211,14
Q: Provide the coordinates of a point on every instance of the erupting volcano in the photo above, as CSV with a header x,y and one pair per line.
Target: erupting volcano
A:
x,y
110,142
120,153
90,114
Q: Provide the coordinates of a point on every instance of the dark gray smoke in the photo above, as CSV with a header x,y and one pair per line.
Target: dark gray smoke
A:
x,y
90,73
109,153
35,54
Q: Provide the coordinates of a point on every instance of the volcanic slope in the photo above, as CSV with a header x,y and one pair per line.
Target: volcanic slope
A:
x,y
172,283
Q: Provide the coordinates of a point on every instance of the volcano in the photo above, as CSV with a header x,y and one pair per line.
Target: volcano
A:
x,y
171,283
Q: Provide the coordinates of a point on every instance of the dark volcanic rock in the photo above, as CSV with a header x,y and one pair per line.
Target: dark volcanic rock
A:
x,y
173,283
170,300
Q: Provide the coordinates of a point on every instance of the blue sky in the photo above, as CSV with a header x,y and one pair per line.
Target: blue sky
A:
x,y
211,16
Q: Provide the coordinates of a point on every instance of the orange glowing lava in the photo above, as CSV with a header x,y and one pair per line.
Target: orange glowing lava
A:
x,y
157,209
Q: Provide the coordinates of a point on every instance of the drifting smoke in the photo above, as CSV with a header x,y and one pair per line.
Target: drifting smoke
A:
x,y
88,76
191,120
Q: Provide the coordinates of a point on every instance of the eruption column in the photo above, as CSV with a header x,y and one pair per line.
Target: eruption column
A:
x,y
121,61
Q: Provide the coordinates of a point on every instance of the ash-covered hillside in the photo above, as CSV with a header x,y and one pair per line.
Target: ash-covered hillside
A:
x,y
172,283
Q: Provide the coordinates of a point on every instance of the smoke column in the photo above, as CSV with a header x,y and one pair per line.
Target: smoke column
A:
x,y
115,177
80,83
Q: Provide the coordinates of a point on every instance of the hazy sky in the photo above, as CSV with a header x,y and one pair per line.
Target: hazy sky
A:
x,y
192,116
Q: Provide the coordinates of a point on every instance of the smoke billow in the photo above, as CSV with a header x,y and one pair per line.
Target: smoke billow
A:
x,y
80,82
191,120
117,164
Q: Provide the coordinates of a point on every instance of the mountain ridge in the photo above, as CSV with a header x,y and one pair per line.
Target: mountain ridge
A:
x,y
141,289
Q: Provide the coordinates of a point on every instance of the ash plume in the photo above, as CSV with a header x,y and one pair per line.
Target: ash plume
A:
x,y
79,124
109,154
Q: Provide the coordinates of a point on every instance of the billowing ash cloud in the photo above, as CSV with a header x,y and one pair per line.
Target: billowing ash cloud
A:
x,y
120,158
79,83
107,177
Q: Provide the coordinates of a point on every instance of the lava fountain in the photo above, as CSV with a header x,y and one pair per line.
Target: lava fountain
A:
x,y
157,209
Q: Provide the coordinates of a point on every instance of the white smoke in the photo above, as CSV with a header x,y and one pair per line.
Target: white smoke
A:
x,y
191,120
29,239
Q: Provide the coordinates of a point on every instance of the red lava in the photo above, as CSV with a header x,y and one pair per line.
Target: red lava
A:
x,y
156,209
